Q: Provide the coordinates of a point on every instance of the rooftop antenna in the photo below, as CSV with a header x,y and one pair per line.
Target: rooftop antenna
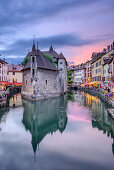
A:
x,y
34,39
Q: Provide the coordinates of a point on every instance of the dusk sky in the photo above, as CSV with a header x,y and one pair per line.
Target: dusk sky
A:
x,y
75,27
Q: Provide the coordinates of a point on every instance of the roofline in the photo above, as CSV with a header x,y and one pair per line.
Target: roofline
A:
x,y
41,68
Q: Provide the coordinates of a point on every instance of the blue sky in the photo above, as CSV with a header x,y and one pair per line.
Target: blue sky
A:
x,y
75,27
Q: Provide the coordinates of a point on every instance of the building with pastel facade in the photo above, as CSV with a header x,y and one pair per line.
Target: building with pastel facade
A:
x,y
3,70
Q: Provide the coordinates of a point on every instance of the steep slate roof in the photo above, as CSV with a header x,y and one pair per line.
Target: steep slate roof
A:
x,y
53,54
42,61
61,56
14,68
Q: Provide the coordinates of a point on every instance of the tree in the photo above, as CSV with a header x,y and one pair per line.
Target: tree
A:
x,y
26,59
50,59
69,77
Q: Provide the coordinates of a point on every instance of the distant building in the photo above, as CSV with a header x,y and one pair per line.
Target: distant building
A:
x,y
43,78
88,74
96,66
111,73
14,74
106,72
3,70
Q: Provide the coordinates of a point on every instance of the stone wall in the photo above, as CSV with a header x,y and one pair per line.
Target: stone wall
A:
x,y
27,83
62,74
47,81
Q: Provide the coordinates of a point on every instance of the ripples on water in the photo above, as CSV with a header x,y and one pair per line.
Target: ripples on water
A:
x,y
71,132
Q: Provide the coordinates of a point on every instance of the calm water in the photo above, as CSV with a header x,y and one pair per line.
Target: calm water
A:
x,y
72,132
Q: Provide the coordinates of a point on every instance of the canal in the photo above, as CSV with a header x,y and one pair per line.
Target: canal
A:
x,y
71,132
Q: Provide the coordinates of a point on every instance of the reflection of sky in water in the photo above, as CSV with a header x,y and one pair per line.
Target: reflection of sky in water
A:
x,y
79,146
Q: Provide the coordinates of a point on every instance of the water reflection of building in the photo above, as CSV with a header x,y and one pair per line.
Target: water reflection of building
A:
x,y
44,117
100,117
15,100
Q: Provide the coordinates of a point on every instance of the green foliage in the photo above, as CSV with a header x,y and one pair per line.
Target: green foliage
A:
x,y
69,77
26,59
70,96
50,59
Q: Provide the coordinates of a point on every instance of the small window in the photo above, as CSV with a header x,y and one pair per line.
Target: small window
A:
x,y
33,59
33,72
26,82
46,82
61,63
13,73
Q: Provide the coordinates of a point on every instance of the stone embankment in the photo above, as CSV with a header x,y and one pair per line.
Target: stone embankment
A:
x,y
100,94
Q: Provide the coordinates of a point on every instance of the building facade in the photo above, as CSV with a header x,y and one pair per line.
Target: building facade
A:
x,y
3,70
109,52
96,66
41,78
88,74
79,75
14,74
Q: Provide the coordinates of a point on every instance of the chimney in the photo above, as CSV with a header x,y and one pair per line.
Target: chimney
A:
x,y
111,46
104,50
108,48
4,59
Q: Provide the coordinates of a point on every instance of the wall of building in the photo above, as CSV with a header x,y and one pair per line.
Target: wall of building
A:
x,y
14,77
79,76
27,85
47,81
96,70
62,74
88,74
105,72
3,71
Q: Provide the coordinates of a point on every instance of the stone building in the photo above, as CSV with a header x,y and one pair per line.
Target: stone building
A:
x,y
43,78
3,70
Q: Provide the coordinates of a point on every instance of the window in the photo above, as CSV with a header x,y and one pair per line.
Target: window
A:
x,y
61,63
14,80
33,59
97,64
46,82
13,73
33,72
7,73
26,82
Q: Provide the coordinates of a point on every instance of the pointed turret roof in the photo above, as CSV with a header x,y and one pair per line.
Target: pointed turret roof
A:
x,y
51,48
61,56
33,48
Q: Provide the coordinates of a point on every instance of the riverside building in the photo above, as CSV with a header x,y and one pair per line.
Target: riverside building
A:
x,y
43,78
3,70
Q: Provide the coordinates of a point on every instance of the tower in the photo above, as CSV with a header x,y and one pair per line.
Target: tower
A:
x,y
62,67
